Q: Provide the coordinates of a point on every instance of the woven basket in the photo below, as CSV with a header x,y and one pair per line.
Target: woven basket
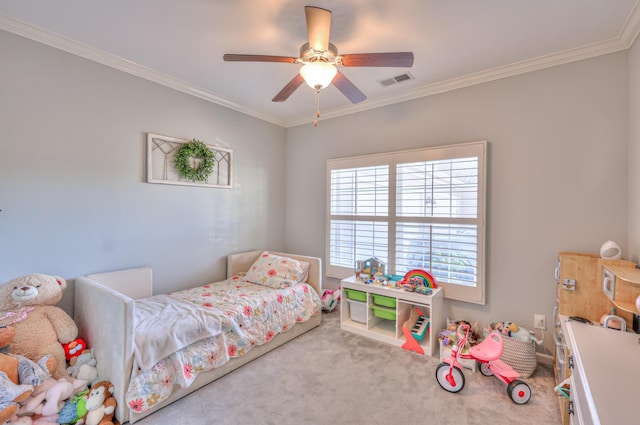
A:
x,y
520,355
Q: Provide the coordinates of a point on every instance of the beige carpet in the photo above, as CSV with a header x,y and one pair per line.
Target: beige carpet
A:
x,y
328,376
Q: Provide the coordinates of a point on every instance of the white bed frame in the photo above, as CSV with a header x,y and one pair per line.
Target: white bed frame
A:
x,y
104,311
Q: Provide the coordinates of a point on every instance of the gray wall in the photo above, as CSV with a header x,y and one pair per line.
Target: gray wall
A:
x,y
72,174
556,172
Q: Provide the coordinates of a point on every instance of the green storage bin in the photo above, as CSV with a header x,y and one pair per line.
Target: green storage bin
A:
x,y
356,295
384,313
384,301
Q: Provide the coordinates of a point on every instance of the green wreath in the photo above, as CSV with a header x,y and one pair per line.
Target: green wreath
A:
x,y
194,149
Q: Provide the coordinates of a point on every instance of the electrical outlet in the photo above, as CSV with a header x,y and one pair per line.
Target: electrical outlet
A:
x,y
539,321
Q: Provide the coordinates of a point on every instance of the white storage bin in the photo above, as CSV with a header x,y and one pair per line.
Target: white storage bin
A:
x,y
358,311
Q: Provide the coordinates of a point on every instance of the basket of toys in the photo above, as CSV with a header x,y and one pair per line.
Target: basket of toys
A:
x,y
519,347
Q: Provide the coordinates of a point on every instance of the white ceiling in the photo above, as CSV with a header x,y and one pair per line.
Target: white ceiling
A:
x,y
456,43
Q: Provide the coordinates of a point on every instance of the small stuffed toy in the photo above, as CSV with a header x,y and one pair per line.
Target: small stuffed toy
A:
x,y
73,409
497,327
506,328
100,405
29,304
74,348
83,367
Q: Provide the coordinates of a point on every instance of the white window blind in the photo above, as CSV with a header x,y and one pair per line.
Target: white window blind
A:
x,y
412,209
358,197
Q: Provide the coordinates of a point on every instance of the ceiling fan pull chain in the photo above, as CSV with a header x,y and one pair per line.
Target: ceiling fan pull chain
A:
x,y
315,121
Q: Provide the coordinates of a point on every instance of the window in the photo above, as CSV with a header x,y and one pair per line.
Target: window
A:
x,y
412,209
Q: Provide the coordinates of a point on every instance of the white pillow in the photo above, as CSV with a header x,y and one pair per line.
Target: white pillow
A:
x,y
277,271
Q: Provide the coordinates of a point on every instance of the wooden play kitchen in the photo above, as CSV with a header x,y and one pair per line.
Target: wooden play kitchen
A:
x,y
588,356
395,316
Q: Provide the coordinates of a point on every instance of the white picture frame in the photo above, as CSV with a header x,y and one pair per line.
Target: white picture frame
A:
x,y
160,169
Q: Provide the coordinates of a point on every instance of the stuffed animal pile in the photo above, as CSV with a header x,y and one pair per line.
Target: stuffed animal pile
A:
x,y
512,330
449,337
18,377
46,371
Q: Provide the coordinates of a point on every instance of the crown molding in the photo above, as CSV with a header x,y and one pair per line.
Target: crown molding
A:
x,y
623,41
631,27
547,61
96,55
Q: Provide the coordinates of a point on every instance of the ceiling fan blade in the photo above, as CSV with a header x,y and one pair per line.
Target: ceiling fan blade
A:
x,y
288,89
392,59
230,57
318,27
348,88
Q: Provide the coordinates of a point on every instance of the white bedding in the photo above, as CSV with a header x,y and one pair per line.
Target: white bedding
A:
x,y
164,324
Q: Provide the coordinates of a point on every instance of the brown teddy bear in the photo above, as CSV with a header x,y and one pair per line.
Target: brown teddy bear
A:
x,y
28,303
100,405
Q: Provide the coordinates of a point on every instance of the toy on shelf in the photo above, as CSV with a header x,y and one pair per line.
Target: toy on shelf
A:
x,y
420,281
421,327
449,336
370,269
373,266
414,330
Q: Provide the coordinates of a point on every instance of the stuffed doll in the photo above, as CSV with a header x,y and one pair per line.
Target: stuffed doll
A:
x,y
100,405
29,304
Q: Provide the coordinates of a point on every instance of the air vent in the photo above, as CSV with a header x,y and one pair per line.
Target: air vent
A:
x,y
395,80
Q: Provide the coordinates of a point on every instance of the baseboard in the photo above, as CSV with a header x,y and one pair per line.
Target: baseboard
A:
x,y
545,359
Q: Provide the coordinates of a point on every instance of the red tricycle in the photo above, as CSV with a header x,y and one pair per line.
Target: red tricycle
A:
x,y
487,353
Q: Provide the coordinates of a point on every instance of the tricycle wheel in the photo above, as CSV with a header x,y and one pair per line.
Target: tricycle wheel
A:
x,y
519,392
450,378
485,369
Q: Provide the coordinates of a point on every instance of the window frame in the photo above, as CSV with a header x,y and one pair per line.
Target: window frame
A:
x,y
474,294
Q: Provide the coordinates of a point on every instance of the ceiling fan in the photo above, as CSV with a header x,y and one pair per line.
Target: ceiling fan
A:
x,y
320,60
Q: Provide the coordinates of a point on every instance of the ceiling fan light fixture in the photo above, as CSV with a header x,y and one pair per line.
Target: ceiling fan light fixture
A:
x,y
318,75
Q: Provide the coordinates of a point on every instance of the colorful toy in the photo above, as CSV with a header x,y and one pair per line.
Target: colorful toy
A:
x,y
74,348
330,299
414,330
373,265
73,409
449,373
419,280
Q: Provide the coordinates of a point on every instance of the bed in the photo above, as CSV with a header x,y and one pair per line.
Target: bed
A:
x,y
123,296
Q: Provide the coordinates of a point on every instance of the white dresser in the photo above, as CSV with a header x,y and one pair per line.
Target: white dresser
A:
x,y
605,378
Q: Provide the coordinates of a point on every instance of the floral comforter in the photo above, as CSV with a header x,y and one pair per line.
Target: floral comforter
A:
x,y
251,315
